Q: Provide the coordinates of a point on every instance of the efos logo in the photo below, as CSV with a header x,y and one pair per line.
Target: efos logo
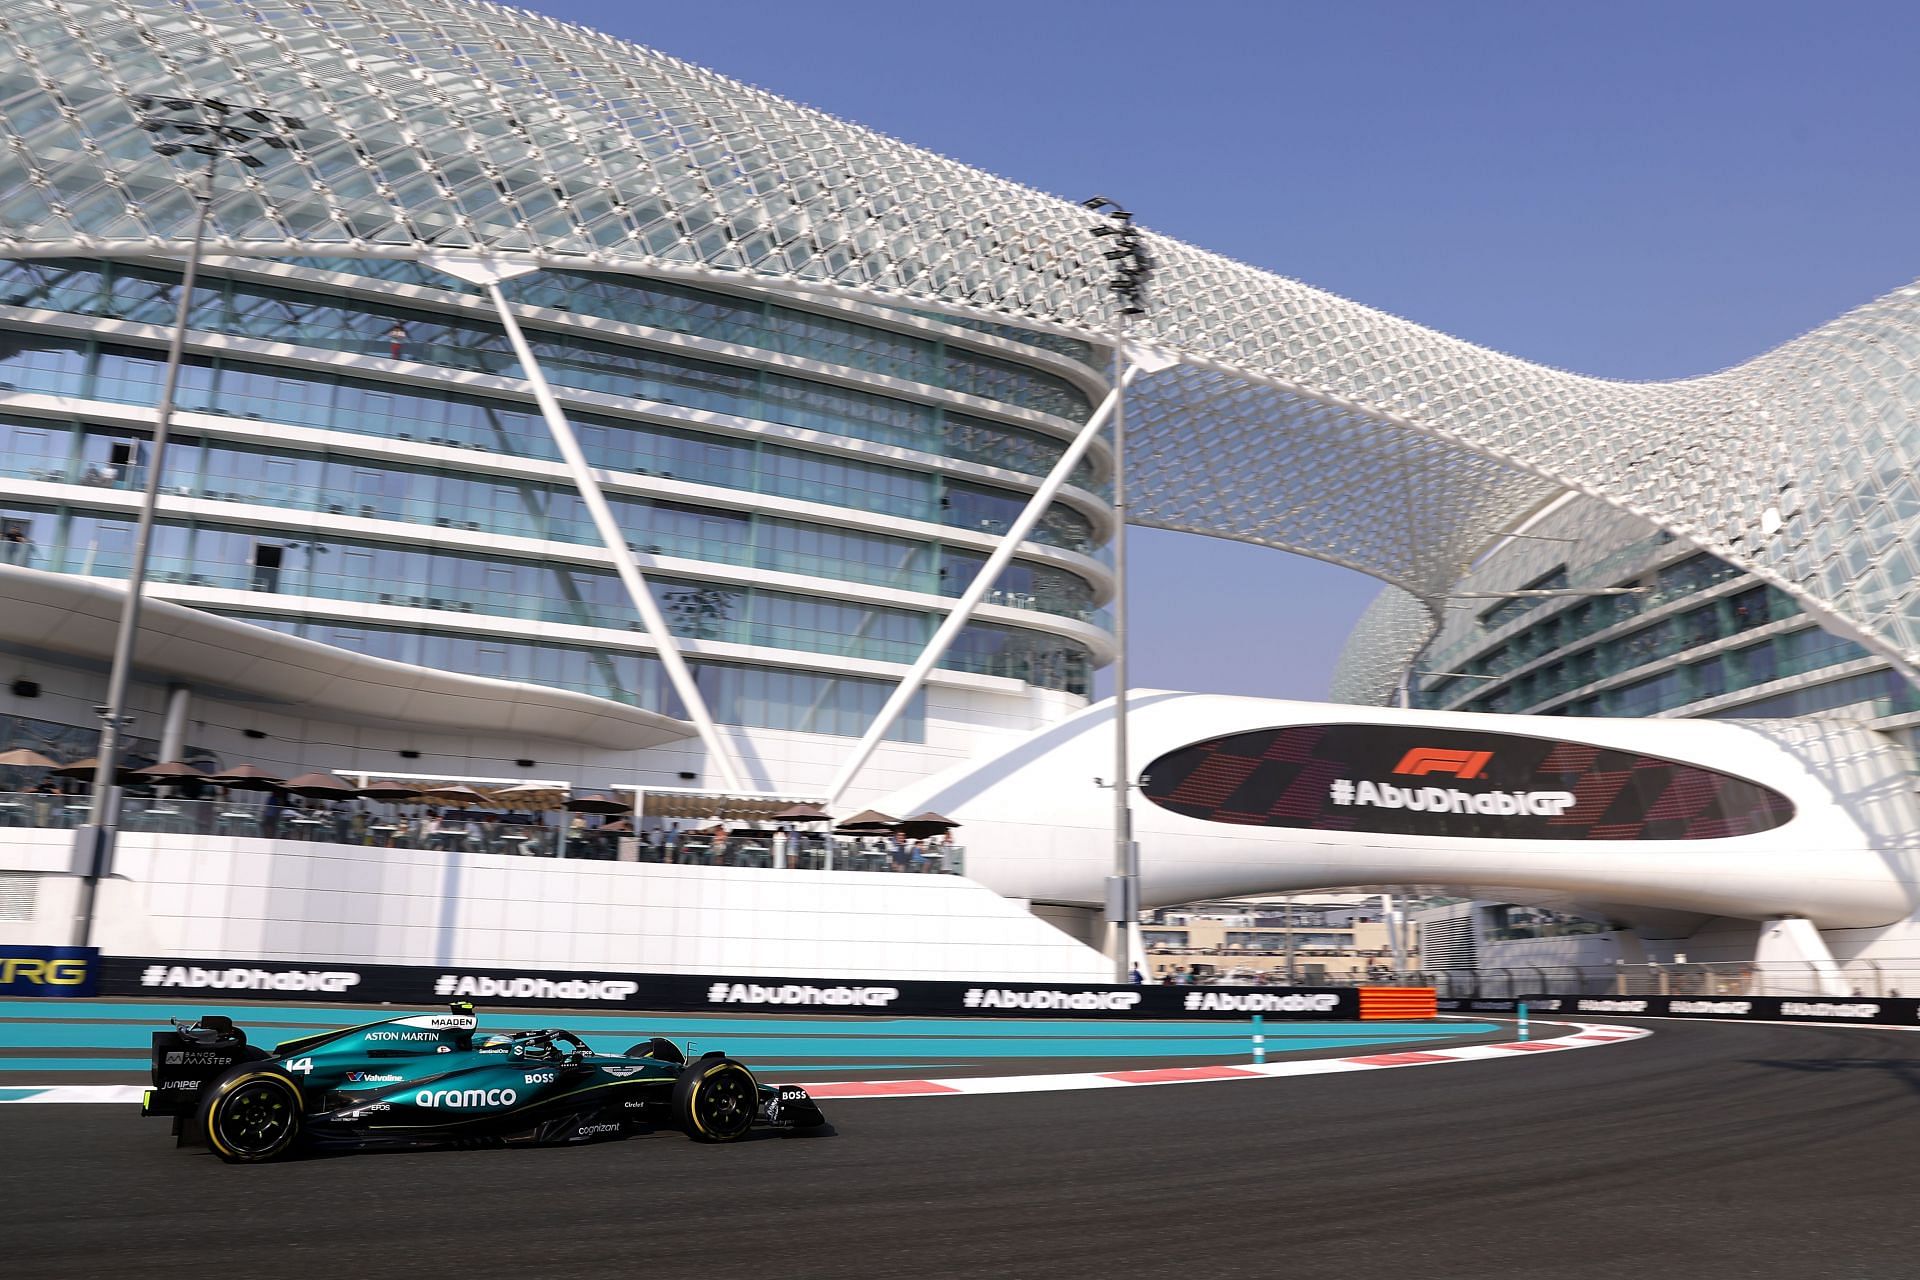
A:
x,y
1421,761
48,971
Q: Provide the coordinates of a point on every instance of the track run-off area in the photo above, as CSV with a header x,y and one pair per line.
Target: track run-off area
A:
x,y
46,1043
1712,1151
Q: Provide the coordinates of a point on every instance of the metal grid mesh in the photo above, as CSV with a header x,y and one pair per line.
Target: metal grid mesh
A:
x,y
1300,421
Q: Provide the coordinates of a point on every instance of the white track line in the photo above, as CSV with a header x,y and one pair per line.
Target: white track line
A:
x,y
1589,1035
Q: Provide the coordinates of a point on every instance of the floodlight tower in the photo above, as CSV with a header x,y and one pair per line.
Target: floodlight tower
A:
x,y
1121,246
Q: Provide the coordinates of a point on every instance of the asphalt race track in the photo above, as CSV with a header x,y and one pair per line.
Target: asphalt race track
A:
x,y
1708,1151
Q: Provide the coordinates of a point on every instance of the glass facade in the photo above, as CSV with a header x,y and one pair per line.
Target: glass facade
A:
x,y
1688,654
649,371
763,697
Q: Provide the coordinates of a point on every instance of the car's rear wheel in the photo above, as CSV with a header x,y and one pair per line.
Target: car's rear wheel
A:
x,y
715,1100
251,1116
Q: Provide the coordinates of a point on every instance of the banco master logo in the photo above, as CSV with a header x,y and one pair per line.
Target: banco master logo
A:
x,y
328,980
200,1058
526,987
465,1099
1421,761
798,993
1076,1001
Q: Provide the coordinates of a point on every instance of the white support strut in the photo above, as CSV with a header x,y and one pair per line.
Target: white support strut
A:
x,y
963,608
678,674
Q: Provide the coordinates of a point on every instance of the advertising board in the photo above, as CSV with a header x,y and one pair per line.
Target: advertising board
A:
x,y
1409,780
424,986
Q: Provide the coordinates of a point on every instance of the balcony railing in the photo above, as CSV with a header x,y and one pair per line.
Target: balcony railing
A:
x,y
386,827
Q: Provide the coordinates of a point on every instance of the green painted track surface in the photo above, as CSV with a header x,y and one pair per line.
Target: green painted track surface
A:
x,y
66,1042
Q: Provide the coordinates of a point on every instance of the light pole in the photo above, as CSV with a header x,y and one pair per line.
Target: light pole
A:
x,y
219,131
1129,285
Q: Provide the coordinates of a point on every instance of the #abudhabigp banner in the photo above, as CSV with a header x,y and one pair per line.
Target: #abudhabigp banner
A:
x,y
1898,1011
425,986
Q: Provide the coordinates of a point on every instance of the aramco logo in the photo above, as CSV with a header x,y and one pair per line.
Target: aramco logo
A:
x,y
1422,761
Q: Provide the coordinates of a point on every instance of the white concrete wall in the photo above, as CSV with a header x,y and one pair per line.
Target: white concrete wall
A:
x,y
232,898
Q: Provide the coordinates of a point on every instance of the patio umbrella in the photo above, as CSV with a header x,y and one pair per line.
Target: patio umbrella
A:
x,y
391,791
171,771
868,822
532,796
460,794
598,802
803,813
321,786
246,777
84,770
25,758
922,825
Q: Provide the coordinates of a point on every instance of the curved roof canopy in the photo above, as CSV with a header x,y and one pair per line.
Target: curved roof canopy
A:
x,y
66,615
1296,419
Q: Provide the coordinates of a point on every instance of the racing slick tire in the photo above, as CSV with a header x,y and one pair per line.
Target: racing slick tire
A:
x,y
716,1100
250,1116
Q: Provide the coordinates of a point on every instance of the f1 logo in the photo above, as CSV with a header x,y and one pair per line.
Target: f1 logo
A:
x,y
1461,764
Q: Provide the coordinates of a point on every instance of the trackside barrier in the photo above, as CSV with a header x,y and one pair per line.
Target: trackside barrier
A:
x,y
1868,1011
1398,1004
419,985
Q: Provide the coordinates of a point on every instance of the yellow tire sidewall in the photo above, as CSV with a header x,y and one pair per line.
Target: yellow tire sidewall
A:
x,y
225,1090
693,1097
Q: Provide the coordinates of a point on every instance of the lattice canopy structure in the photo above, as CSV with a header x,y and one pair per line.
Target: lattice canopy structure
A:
x,y
1296,419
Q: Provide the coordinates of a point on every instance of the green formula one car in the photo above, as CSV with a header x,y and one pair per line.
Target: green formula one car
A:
x,y
427,1080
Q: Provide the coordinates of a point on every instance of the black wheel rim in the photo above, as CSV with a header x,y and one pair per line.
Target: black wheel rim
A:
x,y
257,1118
729,1102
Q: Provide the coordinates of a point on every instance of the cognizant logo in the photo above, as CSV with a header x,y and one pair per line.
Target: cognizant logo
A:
x,y
465,1098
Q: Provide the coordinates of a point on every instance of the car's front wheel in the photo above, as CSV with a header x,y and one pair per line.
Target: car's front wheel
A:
x,y
251,1116
715,1100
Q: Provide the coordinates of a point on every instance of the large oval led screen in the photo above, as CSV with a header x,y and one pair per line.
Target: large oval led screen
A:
x,y
1399,780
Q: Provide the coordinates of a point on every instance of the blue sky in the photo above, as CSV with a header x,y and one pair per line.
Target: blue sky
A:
x,y
1635,190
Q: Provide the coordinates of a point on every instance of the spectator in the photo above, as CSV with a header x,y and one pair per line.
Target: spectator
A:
x,y
397,340
1136,977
